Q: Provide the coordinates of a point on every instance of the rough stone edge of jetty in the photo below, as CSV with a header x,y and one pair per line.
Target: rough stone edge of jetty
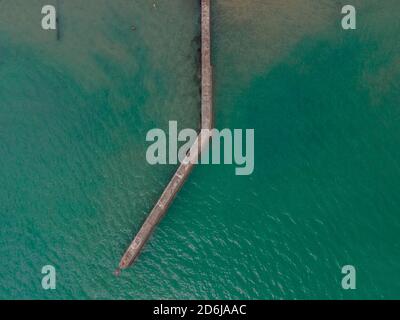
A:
x,y
186,167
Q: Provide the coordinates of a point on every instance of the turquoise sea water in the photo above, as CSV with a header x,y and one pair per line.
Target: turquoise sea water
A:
x,y
75,185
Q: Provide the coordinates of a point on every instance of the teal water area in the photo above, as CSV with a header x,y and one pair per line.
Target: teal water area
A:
x,y
75,184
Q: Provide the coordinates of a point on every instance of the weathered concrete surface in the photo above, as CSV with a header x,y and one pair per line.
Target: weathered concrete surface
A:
x,y
187,165
206,67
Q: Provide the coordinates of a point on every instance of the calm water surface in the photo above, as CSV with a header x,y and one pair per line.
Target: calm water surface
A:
x,y
75,185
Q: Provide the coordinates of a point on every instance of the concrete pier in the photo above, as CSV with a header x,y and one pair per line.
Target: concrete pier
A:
x,y
206,67
187,165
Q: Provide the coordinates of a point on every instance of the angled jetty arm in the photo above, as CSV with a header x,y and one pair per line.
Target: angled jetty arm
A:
x,y
191,159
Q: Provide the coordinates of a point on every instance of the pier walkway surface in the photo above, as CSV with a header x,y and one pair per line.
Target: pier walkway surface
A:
x,y
187,165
